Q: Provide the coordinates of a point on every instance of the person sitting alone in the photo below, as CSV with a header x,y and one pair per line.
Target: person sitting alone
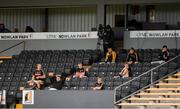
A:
x,y
57,85
164,55
38,76
110,56
99,85
80,71
125,72
132,57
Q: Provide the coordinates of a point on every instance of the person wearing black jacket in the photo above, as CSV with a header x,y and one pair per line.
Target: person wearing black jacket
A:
x,y
132,57
57,85
164,55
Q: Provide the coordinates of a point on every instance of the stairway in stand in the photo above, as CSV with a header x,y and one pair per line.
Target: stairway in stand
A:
x,y
163,95
2,58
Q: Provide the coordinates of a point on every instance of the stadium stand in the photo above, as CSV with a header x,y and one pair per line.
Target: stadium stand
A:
x,y
75,56
15,72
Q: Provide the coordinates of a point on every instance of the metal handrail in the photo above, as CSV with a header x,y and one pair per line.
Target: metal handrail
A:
x,y
23,42
149,85
141,76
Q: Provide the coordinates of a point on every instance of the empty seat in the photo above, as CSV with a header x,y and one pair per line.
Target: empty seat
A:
x,y
91,83
8,79
108,87
109,83
92,79
83,88
74,84
102,74
92,74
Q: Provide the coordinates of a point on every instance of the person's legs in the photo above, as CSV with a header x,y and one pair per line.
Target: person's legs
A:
x,y
77,75
105,49
38,83
81,75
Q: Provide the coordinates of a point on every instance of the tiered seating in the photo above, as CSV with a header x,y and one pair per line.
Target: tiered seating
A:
x,y
163,94
146,55
108,72
18,70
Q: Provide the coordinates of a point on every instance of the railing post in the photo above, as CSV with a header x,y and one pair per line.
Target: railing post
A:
x,y
24,45
115,96
151,76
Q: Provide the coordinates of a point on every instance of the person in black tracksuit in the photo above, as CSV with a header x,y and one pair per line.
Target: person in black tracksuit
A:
x,y
58,83
164,56
132,57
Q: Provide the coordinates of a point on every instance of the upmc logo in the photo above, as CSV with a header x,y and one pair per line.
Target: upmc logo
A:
x,y
141,34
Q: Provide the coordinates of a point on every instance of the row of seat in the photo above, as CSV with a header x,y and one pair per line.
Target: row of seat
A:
x,y
146,55
17,71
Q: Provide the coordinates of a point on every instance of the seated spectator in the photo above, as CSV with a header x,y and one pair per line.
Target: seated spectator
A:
x,y
29,29
39,76
52,77
126,71
164,56
80,71
110,55
99,85
2,97
31,85
132,57
57,85
3,29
